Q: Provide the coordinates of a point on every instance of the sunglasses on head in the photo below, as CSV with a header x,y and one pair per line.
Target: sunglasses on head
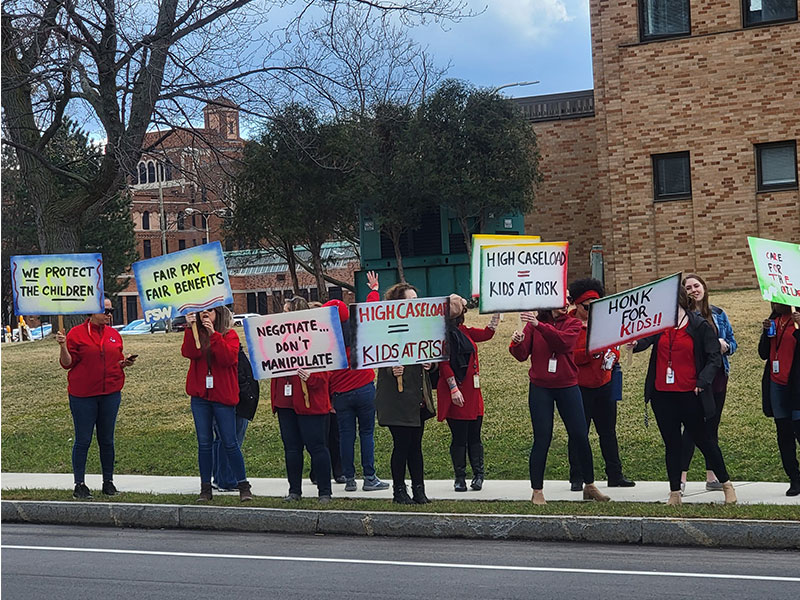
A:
x,y
108,311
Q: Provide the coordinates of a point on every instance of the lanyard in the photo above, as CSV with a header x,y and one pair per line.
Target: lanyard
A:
x,y
779,336
671,335
91,337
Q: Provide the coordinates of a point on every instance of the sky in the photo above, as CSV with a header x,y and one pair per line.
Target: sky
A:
x,y
518,40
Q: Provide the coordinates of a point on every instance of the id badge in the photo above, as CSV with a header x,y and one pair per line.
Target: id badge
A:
x,y
476,381
670,376
209,382
287,390
776,366
551,365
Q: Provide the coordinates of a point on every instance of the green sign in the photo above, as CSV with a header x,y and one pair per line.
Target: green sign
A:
x,y
778,270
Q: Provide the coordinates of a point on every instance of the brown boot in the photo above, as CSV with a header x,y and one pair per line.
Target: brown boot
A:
x,y
245,495
205,493
538,498
590,492
730,493
674,499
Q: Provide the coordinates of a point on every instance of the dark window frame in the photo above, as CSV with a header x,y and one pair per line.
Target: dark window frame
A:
x,y
746,25
644,37
774,187
147,250
146,220
669,197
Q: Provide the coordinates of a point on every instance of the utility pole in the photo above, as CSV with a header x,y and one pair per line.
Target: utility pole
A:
x,y
162,221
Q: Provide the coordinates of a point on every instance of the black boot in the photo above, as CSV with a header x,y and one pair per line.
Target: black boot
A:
x,y
206,495
458,455
400,495
476,461
786,445
794,488
418,492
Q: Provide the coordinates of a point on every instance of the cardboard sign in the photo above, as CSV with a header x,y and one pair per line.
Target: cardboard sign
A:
x,y
281,343
182,282
634,314
479,240
57,284
523,277
778,270
398,332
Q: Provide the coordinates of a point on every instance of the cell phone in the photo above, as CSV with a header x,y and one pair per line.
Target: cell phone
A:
x,y
132,356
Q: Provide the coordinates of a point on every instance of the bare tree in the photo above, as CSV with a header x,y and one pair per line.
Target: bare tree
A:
x,y
126,64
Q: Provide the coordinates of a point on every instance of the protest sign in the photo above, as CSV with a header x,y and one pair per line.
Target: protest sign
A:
x,y
523,277
182,282
633,314
398,332
281,343
778,269
57,284
479,240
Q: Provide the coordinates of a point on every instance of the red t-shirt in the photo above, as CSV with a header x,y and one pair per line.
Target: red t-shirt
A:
x,y
676,348
781,348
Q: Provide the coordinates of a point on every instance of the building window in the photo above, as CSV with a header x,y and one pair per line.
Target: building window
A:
x,y
181,244
151,172
758,12
131,308
146,250
146,220
181,224
663,19
672,178
776,164
142,173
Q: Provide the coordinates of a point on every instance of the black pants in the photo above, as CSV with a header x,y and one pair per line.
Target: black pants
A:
x,y
673,409
407,451
598,406
542,403
298,431
788,432
712,428
464,434
332,443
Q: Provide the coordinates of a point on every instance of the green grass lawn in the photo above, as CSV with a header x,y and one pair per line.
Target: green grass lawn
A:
x,y
155,433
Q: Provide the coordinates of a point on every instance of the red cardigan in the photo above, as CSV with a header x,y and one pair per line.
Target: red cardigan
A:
x,y
590,366
542,343
96,367
345,380
319,400
473,398
224,353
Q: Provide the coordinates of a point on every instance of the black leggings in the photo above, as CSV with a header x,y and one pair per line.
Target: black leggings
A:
x,y
712,427
600,407
407,450
465,433
673,409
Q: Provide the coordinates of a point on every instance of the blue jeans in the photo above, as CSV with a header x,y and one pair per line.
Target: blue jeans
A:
x,y
223,476
205,413
309,431
356,404
542,403
88,413
780,398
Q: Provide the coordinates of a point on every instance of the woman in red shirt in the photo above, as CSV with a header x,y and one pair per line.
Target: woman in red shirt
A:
x,y
780,385
302,403
549,340
92,353
458,394
683,364
213,385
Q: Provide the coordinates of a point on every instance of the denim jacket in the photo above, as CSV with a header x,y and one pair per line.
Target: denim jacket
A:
x,y
725,332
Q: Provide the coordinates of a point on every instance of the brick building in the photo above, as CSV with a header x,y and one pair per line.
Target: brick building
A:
x,y
686,145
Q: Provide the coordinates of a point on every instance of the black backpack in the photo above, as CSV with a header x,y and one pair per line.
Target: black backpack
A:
x,y
248,388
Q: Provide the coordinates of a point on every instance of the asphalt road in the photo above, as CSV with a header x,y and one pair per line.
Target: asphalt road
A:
x,y
52,562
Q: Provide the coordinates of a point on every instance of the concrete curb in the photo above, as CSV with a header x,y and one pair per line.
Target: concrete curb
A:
x,y
617,530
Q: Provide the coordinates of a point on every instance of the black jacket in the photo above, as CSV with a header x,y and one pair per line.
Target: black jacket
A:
x,y
408,408
794,373
707,360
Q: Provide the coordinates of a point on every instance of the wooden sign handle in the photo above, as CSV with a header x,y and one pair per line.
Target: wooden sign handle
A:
x,y
399,383
196,335
60,322
628,356
794,310
305,393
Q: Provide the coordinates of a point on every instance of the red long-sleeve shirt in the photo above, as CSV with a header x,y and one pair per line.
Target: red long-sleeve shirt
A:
x,y
319,400
96,368
345,380
546,341
590,366
224,354
473,397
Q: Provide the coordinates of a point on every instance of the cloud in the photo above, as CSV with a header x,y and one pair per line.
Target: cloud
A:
x,y
531,19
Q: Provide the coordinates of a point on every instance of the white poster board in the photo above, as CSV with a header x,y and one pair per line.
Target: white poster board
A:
x,y
480,240
633,314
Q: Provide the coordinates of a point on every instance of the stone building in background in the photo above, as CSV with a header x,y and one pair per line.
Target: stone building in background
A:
x,y
686,145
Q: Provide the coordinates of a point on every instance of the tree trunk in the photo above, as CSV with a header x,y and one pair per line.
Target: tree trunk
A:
x,y
464,223
292,263
319,272
395,236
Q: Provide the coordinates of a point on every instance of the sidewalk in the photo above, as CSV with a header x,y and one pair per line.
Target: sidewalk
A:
x,y
748,492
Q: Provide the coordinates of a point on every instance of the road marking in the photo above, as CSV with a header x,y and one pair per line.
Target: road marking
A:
x,y
400,563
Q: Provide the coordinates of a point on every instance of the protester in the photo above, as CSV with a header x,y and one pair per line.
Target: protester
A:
x,y
594,380
404,413
302,403
92,354
549,339
459,395
779,346
353,396
683,363
212,383
697,290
